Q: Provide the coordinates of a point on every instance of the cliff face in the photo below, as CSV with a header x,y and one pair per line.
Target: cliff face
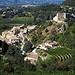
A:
x,y
63,27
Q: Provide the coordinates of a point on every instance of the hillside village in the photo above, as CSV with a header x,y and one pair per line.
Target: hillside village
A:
x,y
17,35
37,39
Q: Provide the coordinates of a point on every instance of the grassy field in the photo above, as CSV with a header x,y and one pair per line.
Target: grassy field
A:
x,y
16,20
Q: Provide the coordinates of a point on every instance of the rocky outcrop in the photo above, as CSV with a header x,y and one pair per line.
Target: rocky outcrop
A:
x,y
63,27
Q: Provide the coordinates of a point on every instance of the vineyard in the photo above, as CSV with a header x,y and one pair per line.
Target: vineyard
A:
x,y
60,53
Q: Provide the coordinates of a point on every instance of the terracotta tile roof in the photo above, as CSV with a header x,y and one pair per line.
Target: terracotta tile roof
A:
x,y
51,42
12,29
32,55
22,30
7,40
11,33
5,32
15,27
1,37
54,42
14,38
43,44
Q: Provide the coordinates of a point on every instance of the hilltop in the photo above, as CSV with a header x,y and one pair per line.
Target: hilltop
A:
x,y
69,3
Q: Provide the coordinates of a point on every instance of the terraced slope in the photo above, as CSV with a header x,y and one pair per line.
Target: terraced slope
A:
x,y
60,53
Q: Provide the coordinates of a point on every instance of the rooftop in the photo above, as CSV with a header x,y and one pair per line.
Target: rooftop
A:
x,y
11,33
32,55
22,30
4,32
14,38
1,37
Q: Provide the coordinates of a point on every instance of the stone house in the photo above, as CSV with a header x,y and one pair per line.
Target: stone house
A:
x,y
31,56
31,27
14,39
60,17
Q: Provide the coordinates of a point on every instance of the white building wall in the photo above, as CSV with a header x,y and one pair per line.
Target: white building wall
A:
x,y
48,45
55,18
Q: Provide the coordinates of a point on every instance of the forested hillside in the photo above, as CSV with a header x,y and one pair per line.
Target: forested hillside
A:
x,y
69,3
67,38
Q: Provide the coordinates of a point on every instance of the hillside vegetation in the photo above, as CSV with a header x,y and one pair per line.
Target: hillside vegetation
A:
x,y
50,31
69,3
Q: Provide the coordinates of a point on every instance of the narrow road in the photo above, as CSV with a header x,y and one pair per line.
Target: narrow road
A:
x,y
23,52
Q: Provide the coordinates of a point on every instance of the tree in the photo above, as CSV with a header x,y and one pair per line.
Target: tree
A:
x,y
27,46
0,43
39,65
69,2
4,47
47,65
16,53
52,37
73,58
34,39
11,50
19,58
28,66
50,23
17,31
46,30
